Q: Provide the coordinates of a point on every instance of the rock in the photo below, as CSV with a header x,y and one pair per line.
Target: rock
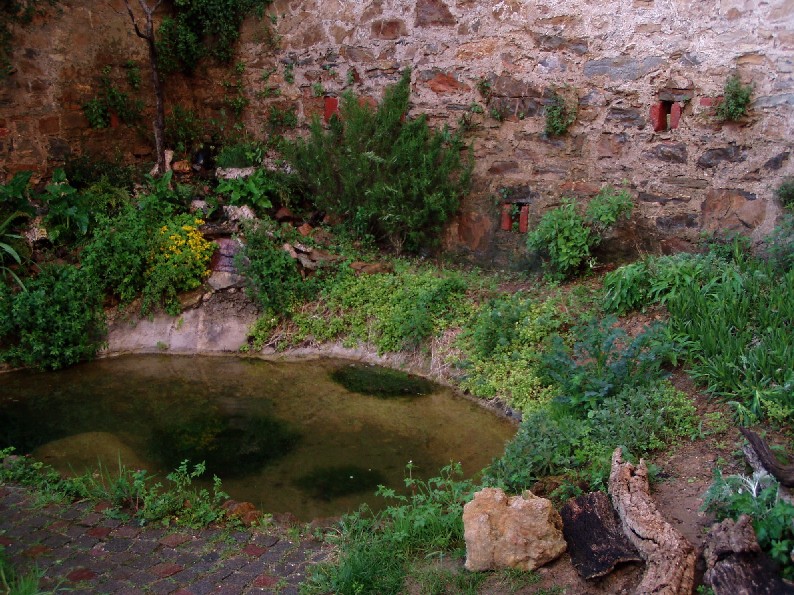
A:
x,y
433,13
776,162
594,536
242,213
245,511
735,563
671,153
284,214
234,173
732,209
305,230
181,167
622,68
713,157
220,280
199,206
523,532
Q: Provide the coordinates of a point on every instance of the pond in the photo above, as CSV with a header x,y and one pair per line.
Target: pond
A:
x,y
287,436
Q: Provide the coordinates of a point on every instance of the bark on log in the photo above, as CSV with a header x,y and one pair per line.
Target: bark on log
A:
x,y
669,557
595,538
735,564
783,473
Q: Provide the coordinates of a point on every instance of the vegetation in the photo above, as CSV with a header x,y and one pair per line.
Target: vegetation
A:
x,y
736,98
111,100
758,497
561,112
566,237
376,549
133,494
388,176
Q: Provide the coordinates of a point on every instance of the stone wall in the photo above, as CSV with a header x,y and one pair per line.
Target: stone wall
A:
x,y
647,74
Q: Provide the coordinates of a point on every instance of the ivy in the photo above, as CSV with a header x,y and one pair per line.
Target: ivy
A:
x,y
202,28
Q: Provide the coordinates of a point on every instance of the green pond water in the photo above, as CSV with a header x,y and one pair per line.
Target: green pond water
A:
x,y
287,436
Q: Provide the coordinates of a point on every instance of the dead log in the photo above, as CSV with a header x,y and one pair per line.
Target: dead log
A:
x,y
783,473
595,538
670,558
735,564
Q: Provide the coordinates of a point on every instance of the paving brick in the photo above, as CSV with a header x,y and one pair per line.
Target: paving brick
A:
x,y
174,540
81,574
166,569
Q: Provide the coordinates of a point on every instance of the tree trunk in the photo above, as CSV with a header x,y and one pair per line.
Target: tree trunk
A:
x,y
147,34
669,557
783,473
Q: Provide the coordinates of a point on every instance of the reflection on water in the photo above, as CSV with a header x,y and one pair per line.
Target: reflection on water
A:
x,y
282,435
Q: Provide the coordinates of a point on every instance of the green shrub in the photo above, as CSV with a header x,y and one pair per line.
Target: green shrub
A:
x,y
68,214
566,237
736,98
779,245
260,190
387,175
376,549
111,99
136,253
603,362
85,171
58,321
756,496
272,275
502,347
551,441
183,129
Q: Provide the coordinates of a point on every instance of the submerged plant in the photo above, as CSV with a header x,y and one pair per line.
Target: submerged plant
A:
x,y
381,382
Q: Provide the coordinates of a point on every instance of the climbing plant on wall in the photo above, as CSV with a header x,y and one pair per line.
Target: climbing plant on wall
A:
x,y
199,28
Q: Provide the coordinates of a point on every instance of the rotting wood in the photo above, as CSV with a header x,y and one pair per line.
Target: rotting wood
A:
x,y
783,473
670,558
735,564
595,538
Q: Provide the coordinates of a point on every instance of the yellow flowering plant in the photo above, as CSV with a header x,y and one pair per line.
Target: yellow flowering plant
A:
x,y
178,262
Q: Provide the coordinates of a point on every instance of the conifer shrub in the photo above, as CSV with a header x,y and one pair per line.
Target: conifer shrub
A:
x,y
387,175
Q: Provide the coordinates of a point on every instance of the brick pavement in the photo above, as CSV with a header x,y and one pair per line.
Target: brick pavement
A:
x,y
81,550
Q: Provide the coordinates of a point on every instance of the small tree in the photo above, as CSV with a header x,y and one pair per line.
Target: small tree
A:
x,y
146,32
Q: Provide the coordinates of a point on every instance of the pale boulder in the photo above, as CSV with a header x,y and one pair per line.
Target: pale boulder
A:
x,y
523,532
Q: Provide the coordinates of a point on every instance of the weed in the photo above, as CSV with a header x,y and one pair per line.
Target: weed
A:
x,y
735,101
318,90
567,237
561,112
289,73
756,496
785,193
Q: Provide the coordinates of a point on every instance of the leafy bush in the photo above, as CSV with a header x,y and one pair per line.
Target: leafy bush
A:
x,y
736,98
111,99
387,175
780,244
272,275
603,362
202,28
178,262
133,254
551,441
58,321
260,190
566,237
376,549
756,496
183,129
68,214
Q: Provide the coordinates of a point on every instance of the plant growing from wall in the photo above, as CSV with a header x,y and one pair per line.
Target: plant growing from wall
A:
x,y
111,99
736,99
566,237
561,111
